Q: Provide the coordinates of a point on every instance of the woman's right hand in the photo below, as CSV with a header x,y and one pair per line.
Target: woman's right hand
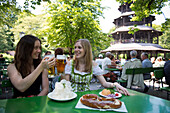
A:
x,y
48,62
121,89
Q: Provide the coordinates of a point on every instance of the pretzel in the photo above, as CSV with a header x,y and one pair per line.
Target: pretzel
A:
x,y
94,101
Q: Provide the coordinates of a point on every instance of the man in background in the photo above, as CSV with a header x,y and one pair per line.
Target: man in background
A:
x,y
146,63
138,78
167,72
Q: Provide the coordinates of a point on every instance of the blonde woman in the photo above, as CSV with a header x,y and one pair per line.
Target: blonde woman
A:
x,y
81,69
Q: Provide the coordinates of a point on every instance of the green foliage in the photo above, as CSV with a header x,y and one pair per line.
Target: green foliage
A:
x,y
6,39
165,39
70,20
29,24
112,29
8,12
8,57
33,3
156,27
166,25
144,8
132,30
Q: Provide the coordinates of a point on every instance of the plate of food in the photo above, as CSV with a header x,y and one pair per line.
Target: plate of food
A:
x,y
62,92
58,98
110,93
94,101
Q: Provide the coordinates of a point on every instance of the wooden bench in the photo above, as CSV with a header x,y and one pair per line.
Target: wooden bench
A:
x,y
159,74
133,71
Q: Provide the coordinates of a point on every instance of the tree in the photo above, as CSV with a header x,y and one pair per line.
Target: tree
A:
x,y
8,11
29,24
70,20
165,38
6,39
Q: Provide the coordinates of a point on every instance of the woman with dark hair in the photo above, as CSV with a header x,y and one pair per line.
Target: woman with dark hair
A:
x,y
28,73
81,69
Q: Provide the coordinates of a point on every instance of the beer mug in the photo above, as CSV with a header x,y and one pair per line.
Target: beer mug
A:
x,y
61,62
51,71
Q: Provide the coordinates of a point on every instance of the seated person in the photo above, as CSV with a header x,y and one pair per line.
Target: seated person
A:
x,y
133,63
99,60
28,73
48,53
167,72
113,61
159,62
107,63
81,69
146,63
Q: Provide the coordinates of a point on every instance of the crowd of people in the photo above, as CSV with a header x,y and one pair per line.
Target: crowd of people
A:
x,y
29,72
133,62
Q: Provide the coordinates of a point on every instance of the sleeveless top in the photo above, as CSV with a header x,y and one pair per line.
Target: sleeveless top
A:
x,y
34,89
80,81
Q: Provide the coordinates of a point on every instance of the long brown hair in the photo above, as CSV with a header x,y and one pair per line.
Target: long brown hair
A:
x,y
87,57
23,55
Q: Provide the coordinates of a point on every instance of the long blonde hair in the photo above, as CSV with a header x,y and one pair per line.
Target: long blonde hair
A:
x,y
87,57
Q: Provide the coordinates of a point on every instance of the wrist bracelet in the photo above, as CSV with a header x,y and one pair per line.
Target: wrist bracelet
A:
x,y
114,85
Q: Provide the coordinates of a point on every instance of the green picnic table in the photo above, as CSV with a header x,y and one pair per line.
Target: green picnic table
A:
x,y
136,103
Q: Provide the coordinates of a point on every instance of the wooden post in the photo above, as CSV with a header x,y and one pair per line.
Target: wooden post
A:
x,y
157,40
120,37
164,54
149,36
117,56
134,37
124,55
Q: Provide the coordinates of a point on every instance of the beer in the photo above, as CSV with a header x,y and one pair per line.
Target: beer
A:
x,y
51,71
61,62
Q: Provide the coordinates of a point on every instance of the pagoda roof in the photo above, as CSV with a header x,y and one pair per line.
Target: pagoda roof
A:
x,y
140,27
126,14
135,46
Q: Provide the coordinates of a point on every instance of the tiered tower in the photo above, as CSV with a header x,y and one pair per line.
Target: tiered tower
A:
x,y
144,40
123,24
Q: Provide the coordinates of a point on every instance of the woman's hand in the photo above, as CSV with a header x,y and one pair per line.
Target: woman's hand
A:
x,y
48,62
121,89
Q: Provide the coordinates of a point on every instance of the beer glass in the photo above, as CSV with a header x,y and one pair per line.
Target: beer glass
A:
x,y
61,62
51,71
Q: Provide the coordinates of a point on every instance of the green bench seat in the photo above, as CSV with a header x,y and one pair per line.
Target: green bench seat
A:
x,y
133,71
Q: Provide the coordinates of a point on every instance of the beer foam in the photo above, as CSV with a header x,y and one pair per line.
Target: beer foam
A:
x,y
49,56
63,90
61,57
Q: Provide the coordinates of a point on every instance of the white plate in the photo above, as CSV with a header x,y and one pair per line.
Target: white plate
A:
x,y
120,95
51,97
